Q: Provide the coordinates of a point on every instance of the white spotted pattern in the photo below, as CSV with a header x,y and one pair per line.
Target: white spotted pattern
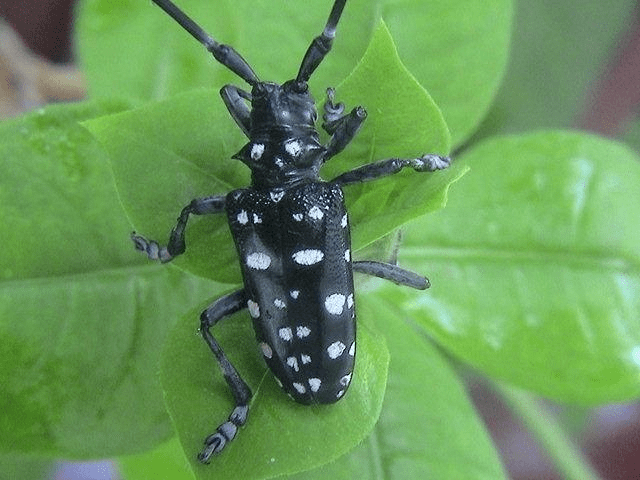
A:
x,y
298,217
316,213
258,261
243,217
256,151
299,387
305,359
294,293
257,218
344,381
293,363
308,257
302,331
266,350
254,308
314,384
293,148
335,303
278,161
335,349
343,223
340,393
276,195
347,255
285,334
352,349
279,303
350,300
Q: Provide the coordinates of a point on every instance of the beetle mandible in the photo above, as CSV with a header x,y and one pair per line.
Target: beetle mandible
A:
x,y
291,232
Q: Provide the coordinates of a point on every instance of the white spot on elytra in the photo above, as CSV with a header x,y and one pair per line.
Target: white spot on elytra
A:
x,y
293,148
266,350
258,261
298,217
294,293
279,303
293,363
316,213
347,255
254,308
350,300
257,218
314,384
278,161
352,349
285,334
335,303
305,359
257,150
243,217
335,349
340,394
276,195
308,257
299,387
302,331
343,223
344,381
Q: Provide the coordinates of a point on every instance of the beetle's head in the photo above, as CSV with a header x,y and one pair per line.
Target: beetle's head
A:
x,y
276,106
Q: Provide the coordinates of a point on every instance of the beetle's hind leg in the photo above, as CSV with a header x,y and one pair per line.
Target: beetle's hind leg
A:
x,y
392,272
221,308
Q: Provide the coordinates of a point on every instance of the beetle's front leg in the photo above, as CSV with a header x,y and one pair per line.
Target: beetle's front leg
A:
x,y
341,127
427,163
176,245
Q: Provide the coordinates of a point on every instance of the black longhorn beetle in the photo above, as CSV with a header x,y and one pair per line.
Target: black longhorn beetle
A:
x,y
291,232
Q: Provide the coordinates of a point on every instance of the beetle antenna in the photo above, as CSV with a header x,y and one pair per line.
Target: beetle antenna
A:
x,y
321,45
224,54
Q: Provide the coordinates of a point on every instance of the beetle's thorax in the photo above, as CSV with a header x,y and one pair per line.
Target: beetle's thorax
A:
x,y
284,147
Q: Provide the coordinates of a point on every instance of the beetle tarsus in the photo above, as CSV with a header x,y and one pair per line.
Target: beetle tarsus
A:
x,y
151,248
215,443
431,162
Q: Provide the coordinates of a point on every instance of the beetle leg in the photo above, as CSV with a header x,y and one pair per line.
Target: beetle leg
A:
x,y
372,171
221,308
392,272
342,128
332,111
176,246
235,100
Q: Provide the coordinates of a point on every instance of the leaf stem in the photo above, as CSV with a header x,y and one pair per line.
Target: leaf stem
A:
x,y
568,459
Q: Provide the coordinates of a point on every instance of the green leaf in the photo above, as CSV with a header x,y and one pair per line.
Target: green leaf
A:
x,y
167,461
535,266
428,427
165,148
54,173
81,324
25,468
280,436
457,49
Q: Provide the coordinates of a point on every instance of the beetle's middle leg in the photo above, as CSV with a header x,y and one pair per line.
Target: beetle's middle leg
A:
x,y
221,308
176,245
372,171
